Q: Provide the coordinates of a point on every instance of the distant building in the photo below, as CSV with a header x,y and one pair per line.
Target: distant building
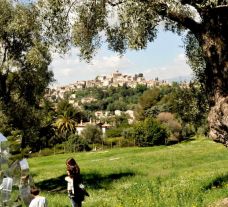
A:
x,y
116,79
104,127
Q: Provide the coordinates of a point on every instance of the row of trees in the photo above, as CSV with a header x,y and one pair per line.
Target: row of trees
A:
x,y
176,112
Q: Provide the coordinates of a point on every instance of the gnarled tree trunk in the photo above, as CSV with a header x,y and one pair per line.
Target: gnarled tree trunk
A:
x,y
214,43
218,120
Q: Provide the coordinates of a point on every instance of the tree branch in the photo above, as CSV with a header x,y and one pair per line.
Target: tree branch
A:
x,y
185,21
4,56
115,4
70,7
221,7
194,3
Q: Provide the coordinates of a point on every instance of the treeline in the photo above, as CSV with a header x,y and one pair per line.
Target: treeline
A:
x,y
163,115
111,98
170,114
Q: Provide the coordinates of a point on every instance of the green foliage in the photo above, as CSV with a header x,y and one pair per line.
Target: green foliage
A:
x,y
114,132
15,142
172,125
149,133
188,130
111,99
196,59
65,125
76,143
92,134
24,72
147,103
189,103
64,107
118,142
89,23
4,123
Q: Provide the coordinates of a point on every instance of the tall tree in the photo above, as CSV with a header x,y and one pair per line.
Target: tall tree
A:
x,y
136,24
24,73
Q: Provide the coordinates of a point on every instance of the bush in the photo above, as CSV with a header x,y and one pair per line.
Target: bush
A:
x,y
126,133
188,130
119,142
76,143
92,134
114,132
173,126
149,132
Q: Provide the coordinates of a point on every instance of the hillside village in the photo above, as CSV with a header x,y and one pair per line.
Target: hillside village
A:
x,y
114,80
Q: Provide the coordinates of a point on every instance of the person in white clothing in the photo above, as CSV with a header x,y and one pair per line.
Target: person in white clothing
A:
x,y
75,188
37,201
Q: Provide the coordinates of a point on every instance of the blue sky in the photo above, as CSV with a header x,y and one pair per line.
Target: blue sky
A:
x,y
164,58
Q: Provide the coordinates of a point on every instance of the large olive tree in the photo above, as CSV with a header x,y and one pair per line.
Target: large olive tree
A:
x,y
133,23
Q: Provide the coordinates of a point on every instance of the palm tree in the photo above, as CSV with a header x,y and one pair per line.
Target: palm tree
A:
x,y
65,124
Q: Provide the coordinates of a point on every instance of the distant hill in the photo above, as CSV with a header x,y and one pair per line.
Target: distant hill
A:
x,y
180,79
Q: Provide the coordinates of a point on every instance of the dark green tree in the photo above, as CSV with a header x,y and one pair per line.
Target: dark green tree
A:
x,y
149,133
149,99
92,134
24,73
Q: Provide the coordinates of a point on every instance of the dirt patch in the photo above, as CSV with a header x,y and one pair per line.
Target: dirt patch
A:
x,y
221,203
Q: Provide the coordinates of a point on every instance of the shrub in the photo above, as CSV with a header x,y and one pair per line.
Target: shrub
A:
x,y
149,132
173,126
92,134
114,132
76,143
188,130
119,142
127,133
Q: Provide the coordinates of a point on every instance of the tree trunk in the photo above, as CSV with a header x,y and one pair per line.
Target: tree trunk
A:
x,y
218,120
215,49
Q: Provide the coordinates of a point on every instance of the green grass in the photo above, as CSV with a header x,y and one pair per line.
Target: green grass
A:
x,y
190,174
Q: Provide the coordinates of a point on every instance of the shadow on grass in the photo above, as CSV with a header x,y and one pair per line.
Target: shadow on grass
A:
x,y
57,184
218,182
91,180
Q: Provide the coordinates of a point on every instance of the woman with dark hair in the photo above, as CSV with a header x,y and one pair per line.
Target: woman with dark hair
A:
x,y
75,187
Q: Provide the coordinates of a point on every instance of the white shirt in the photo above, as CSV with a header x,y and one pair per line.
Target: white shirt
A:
x,y
38,201
70,184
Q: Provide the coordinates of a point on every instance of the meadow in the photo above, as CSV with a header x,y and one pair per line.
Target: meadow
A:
x,y
189,174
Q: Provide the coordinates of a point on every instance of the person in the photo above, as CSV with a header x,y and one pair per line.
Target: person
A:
x,y
75,188
37,201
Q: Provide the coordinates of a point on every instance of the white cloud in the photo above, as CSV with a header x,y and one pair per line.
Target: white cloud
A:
x,y
69,68
176,69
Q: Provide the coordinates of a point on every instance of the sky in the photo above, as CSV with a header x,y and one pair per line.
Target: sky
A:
x,y
164,58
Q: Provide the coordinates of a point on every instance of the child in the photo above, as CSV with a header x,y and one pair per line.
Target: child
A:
x,y
37,201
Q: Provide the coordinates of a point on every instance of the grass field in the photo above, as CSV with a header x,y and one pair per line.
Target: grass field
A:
x,y
189,174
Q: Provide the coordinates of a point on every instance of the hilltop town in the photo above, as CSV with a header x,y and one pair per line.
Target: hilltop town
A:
x,y
116,79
